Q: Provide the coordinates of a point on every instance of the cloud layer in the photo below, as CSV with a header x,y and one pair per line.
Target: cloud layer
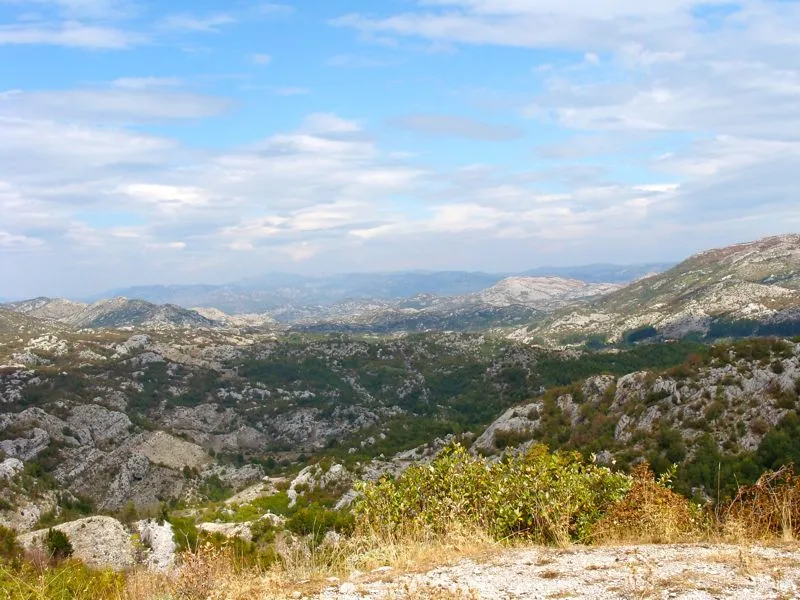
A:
x,y
619,130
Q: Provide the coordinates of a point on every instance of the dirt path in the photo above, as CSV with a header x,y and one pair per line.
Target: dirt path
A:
x,y
695,572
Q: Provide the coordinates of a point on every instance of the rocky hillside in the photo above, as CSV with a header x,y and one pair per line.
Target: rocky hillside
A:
x,y
730,411
537,292
115,313
746,289
15,323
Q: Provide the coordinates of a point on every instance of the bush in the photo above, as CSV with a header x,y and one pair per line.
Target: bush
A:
x,y
316,521
551,498
509,438
57,544
651,513
10,550
770,507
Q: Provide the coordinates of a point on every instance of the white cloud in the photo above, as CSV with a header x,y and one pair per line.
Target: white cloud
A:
x,y
187,22
262,59
299,252
143,83
70,34
133,101
14,241
166,197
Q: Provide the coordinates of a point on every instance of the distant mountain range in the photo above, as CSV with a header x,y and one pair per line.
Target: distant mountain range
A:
x,y
512,301
114,313
296,292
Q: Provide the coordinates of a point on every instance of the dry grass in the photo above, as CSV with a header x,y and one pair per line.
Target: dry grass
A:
x,y
770,508
651,514
212,574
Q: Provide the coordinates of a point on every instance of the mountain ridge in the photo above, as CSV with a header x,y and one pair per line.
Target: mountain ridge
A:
x,y
752,284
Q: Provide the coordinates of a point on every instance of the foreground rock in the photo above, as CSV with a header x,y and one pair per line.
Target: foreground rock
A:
x,y
158,539
97,541
696,572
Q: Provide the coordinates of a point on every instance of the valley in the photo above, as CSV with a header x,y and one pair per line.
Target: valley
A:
x,y
189,425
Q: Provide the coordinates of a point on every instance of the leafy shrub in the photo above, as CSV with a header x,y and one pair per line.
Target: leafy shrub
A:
x,y
184,533
651,513
541,496
57,544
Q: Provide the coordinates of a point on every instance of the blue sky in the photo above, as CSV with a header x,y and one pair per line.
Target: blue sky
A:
x,y
207,141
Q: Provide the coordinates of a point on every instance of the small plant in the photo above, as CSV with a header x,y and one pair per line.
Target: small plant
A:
x,y
57,545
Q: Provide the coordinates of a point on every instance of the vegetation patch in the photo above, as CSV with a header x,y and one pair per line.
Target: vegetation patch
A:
x,y
543,497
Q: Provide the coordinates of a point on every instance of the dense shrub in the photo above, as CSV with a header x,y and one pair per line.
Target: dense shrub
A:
x,y
552,498
507,438
57,544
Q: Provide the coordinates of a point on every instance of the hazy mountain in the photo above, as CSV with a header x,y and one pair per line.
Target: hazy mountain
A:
x,y
114,313
510,302
56,309
290,293
745,289
601,273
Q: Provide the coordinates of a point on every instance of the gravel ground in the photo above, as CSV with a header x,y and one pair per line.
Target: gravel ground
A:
x,y
687,572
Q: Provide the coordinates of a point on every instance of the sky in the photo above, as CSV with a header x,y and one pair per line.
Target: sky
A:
x,y
147,142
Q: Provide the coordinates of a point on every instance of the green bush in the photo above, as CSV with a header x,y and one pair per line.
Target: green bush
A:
x,y
184,533
57,544
10,550
544,497
508,438
316,521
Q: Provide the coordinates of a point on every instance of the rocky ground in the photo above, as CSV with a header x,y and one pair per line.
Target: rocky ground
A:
x,y
696,572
